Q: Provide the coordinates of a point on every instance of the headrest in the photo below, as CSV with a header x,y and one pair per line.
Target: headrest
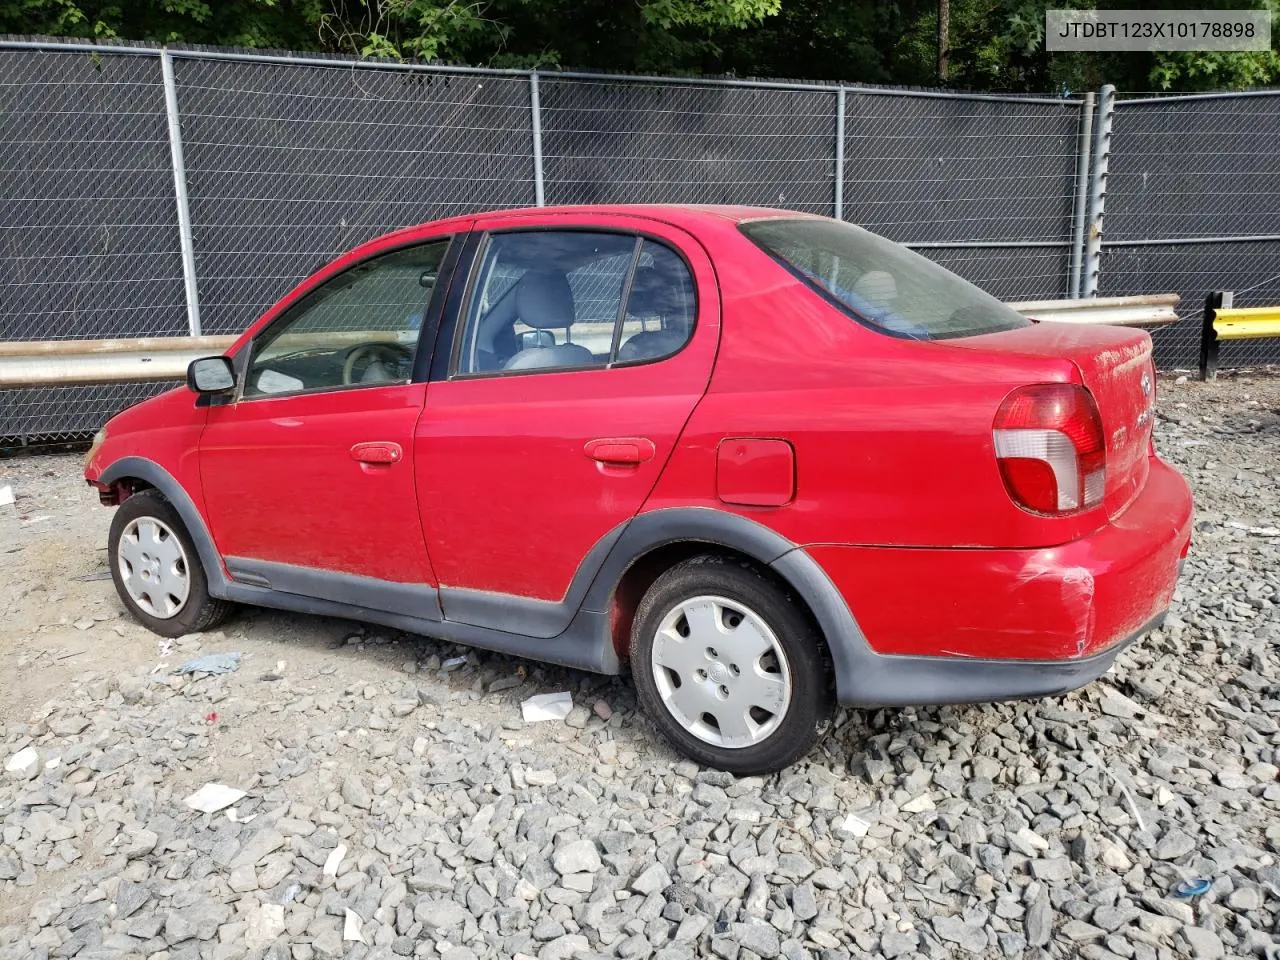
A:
x,y
649,294
877,287
544,300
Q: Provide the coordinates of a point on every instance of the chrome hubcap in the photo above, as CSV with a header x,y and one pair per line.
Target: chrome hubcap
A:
x,y
721,672
153,567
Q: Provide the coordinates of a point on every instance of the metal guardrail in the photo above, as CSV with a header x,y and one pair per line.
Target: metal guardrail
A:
x,y
83,362
1247,323
48,363
1222,321
78,362
1147,311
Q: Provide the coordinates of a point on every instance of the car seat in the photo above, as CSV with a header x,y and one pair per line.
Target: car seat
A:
x,y
653,295
544,301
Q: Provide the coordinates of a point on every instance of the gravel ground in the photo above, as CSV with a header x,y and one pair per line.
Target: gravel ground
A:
x,y
397,805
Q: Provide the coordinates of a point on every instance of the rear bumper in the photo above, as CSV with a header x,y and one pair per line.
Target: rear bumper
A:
x,y
1066,602
968,625
915,681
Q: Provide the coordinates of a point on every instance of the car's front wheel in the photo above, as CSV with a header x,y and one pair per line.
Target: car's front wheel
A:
x,y
157,570
728,667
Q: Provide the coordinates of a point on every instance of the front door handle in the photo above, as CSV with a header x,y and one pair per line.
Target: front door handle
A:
x,y
630,451
377,451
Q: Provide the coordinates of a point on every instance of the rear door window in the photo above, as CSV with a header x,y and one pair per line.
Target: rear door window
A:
x,y
880,283
660,308
557,300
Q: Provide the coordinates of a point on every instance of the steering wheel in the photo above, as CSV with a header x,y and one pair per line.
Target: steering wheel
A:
x,y
376,350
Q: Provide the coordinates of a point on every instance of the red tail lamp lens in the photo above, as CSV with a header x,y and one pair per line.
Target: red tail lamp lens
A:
x,y
1049,445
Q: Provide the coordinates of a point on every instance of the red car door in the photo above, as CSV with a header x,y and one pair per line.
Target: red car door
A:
x,y
560,409
311,466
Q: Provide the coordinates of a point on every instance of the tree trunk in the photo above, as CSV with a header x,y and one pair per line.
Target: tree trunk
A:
x,y
944,46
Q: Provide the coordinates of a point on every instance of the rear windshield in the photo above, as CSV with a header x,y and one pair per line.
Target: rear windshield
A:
x,y
881,283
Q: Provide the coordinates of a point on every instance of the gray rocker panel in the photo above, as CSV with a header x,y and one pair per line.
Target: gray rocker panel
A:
x,y
584,645
367,593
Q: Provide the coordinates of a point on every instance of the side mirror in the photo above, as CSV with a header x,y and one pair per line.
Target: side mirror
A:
x,y
210,375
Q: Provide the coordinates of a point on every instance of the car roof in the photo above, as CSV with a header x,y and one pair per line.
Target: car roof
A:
x,y
687,216
676,214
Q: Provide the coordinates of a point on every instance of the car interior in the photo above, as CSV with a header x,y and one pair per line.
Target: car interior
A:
x,y
360,328
549,300
546,300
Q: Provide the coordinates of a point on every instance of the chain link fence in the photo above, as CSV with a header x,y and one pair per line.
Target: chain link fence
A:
x,y
88,232
626,141
288,165
1193,206
160,193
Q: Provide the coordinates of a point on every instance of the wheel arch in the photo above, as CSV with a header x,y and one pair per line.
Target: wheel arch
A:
x,y
152,475
653,542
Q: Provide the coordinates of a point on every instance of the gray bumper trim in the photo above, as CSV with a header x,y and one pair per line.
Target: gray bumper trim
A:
x,y
899,681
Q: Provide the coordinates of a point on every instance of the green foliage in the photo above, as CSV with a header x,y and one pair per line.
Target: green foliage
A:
x,y
241,23
1216,71
993,44
707,14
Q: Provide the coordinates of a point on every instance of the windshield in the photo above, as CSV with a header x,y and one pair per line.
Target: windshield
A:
x,y
881,283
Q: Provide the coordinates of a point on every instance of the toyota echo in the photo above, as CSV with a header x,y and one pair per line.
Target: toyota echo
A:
x,y
765,461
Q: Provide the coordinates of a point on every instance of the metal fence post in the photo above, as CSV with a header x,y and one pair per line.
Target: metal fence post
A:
x,y
1084,153
180,193
839,192
1097,192
535,109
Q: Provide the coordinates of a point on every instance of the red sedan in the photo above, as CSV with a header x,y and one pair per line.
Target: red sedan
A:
x,y
770,461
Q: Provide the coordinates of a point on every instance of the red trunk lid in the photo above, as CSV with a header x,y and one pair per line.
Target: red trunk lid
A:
x,y
1114,363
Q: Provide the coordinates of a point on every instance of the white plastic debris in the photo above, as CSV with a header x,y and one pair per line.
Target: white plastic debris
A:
x,y
265,925
453,663
213,797
1133,804
6,495
234,816
918,805
276,674
164,648
854,826
547,706
1256,531
25,763
334,860
351,928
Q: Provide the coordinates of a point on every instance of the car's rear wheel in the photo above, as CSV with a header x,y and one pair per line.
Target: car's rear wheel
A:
x,y
728,667
157,570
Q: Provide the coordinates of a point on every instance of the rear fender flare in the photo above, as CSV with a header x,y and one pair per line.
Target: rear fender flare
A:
x,y
649,531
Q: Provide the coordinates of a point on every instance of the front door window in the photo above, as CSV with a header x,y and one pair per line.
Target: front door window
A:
x,y
361,328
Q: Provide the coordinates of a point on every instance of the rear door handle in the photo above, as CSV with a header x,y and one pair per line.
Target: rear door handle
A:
x,y
631,451
377,451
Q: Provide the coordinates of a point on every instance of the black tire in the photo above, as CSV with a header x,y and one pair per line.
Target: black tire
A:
x,y
200,611
803,720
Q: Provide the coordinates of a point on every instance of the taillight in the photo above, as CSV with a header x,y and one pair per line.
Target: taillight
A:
x,y
1049,444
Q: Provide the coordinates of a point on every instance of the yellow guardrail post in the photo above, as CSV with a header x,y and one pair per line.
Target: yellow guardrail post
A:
x,y
1224,321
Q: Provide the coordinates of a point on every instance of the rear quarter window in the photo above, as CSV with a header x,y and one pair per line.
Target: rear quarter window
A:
x,y
879,283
